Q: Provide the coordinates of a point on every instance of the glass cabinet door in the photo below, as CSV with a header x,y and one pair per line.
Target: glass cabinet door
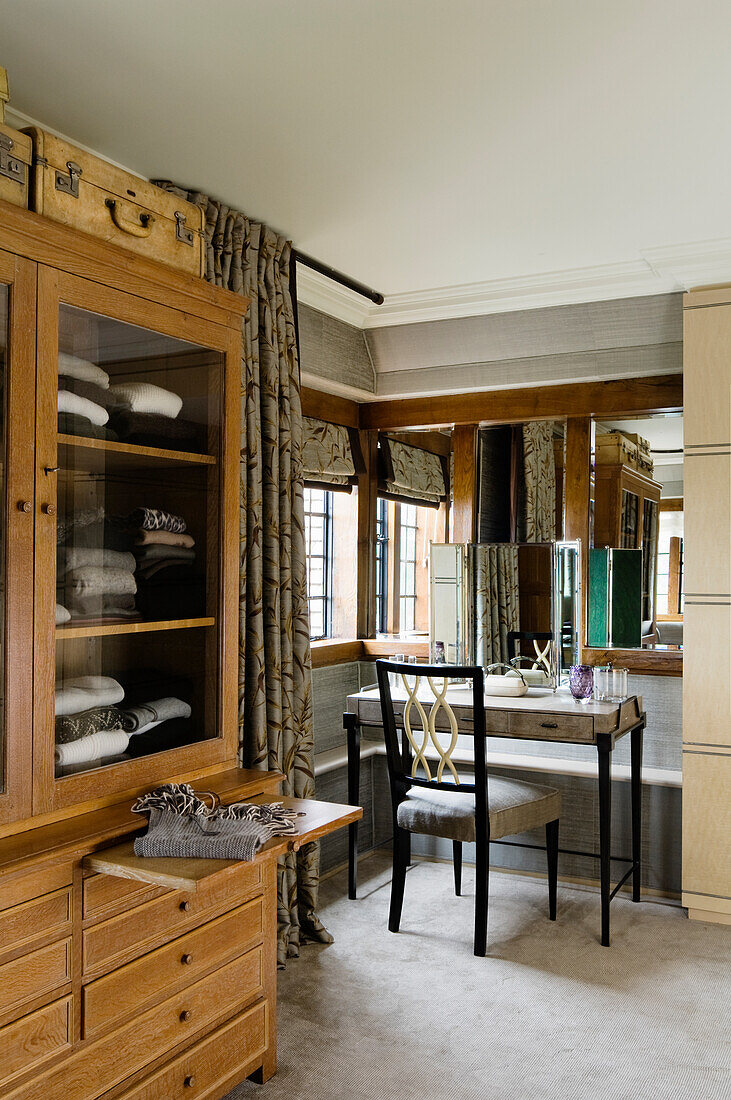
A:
x,y
137,536
650,512
628,534
17,379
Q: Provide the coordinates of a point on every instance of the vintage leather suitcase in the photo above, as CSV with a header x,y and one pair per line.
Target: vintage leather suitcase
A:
x,y
85,192
15,155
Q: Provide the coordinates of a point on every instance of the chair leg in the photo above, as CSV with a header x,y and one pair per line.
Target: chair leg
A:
x,y
398,881
482,872
457,861
552,855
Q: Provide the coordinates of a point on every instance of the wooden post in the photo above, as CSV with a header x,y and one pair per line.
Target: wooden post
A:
x,y
464,445
367,513
577,493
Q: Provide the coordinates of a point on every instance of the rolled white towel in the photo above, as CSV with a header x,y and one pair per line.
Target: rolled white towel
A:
x,y
80,557
143,397
94,747
74,367
84,692
72,403
62,614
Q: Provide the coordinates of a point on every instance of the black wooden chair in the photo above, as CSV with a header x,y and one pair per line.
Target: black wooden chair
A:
x,y
423,801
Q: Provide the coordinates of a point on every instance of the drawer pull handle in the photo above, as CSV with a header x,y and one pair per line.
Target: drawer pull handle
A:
x,y
185,1016
187,960
549,725
184,906
189,1081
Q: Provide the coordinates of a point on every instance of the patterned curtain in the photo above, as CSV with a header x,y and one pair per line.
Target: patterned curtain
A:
x,y
275,690
539,481
495,569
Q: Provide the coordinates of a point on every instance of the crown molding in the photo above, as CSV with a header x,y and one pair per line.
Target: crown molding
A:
x,y
665,270
319,292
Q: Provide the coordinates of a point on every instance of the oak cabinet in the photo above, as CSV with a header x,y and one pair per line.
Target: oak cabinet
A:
x,y
119,578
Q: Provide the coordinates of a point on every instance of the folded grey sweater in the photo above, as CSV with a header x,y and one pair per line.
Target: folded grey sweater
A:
x,y
193,836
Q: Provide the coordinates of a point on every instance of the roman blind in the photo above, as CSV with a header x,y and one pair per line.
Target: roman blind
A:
x,y
410,474
330,455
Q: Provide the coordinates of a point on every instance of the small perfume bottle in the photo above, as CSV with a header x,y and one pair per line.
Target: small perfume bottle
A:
x,y
439,657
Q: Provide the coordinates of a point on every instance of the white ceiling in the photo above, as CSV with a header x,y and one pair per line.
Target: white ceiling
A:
x,y
493,148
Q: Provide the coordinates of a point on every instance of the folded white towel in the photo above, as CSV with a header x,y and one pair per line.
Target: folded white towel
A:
x,y
94,747
62,614
79,557
90,579
143,397
72,403
74,367
84,692
146,716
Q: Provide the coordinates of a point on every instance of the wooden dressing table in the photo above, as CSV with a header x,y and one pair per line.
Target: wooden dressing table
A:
x,y
541,715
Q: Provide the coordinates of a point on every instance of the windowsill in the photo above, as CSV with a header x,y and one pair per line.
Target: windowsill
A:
x,y
650,662
335,651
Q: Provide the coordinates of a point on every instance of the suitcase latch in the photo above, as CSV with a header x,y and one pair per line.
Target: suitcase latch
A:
x,y
69,184
10,167
182,233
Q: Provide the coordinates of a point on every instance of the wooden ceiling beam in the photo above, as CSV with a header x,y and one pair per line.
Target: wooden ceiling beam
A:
x,y
625,397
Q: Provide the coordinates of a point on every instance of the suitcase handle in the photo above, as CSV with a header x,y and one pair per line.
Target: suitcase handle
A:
x,y
141,228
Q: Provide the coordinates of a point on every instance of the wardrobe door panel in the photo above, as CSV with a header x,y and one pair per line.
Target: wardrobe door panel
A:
x,y
17,371
133,592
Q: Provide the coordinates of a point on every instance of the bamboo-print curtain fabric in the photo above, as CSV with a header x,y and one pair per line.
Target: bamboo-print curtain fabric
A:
x,y
495,569
275,690
539,469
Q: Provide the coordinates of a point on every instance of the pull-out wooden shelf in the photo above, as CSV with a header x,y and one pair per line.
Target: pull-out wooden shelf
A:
x,y
317,820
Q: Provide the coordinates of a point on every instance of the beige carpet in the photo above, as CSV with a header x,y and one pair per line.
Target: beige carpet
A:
x,y
549,1014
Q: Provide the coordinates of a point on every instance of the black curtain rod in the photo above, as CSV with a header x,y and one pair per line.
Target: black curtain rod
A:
x,y
338,277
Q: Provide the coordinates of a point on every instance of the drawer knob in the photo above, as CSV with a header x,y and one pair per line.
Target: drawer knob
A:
x,y
25,506
186,960
189,1081
48,509
184,906
185,1016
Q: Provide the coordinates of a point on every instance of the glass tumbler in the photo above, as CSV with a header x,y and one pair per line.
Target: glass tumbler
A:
x,y
611,684
581,682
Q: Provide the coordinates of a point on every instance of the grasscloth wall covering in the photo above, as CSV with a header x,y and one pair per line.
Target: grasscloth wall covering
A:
x,y
275,690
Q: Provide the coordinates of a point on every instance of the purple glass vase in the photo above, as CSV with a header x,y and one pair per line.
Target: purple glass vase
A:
x,y
581,682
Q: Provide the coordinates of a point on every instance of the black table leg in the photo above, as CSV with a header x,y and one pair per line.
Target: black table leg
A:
x,y
636,781
407,761
604,748
352,728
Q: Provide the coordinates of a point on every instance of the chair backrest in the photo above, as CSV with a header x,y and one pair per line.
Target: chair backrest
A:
x,y
543,653
418,706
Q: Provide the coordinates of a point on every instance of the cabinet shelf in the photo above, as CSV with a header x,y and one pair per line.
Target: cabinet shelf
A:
x,y
97,630
97,454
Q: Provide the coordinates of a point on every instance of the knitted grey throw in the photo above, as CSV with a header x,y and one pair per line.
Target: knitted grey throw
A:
x,y
183,825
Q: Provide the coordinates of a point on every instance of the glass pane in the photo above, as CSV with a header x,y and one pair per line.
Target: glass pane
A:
x,y
628,532
3,360
137,585
649,553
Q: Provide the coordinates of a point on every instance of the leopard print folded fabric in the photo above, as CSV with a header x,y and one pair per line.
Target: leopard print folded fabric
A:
x,y
156,519
72,727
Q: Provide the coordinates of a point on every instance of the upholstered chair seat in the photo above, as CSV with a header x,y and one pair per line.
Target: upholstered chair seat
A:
x,y
514,807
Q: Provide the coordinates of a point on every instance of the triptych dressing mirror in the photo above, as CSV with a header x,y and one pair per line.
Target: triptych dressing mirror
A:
x,y
508,606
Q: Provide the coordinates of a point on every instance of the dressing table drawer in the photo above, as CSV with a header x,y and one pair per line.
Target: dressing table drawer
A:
x,y
546,727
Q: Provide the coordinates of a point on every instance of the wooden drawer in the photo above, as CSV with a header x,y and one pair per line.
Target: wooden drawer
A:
x,y
101,1065
33,974
119,994
223,1059
128,935
32,919
31,1041
105,896
42,880
544,727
